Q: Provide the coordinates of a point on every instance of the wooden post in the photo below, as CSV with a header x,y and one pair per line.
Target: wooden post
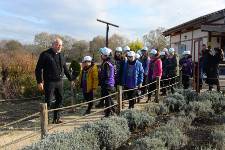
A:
x,y
44,119
73,98
180,80
157,89
119,99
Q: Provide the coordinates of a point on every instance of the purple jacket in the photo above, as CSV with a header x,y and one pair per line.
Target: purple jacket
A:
x,y
107,73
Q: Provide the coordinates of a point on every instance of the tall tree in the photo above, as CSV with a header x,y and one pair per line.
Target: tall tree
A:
x,y
116,40
13,46
155,39
97,43
80,49
136,45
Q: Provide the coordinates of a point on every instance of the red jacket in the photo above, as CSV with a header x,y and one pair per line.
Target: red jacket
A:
x,y
157,71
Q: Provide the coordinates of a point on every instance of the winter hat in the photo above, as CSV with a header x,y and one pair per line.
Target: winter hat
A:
x,y
118,49
126,48
171,50
131,53
106,51
87,58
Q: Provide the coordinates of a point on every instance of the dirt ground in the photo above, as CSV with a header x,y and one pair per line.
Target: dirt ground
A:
x,y
12,136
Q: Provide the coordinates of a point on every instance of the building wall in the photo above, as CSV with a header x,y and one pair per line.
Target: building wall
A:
x,y
215,42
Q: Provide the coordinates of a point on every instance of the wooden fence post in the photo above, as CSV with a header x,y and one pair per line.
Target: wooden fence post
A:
x,y
44,119
157,89
73,98
119,99
180,80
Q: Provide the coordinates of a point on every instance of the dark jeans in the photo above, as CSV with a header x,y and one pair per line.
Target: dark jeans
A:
x,y
51,89
185,81
88,97
151,88
131,94
164,83
108,100
200,83
172,81
144,89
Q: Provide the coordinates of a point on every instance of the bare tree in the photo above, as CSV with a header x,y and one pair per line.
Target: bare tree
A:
x,y
155,39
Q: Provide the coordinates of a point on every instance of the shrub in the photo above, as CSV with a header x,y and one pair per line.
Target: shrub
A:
x,y
18,74
188,94
180,122
200,108
77,139
222,118
175,102
76,68
173,137
137,118
148,143
111,133
156,109
217,99
219,137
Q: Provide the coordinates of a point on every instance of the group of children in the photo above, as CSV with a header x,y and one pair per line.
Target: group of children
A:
x,y
130,70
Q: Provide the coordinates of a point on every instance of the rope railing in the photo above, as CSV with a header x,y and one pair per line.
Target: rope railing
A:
x,y
20,120
35,133
82,103
141,87
164,87
82,117
139,96
8,100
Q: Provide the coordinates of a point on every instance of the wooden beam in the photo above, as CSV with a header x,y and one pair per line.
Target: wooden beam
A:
x,y
212,28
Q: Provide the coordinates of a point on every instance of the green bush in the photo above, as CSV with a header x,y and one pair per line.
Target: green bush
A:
x,y
137,118
222,118
172,136
175,102
77,139
219,137
148,143
156,109
110,133
76,68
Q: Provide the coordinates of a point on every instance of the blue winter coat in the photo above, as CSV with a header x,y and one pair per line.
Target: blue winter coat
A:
x,y
139,73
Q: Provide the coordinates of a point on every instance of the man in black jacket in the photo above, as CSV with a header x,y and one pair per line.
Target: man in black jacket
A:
x,y
53,65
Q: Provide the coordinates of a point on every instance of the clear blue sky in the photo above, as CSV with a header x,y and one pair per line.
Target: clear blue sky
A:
x,y
22,19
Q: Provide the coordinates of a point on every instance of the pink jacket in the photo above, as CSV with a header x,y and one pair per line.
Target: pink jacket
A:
x,y
157,71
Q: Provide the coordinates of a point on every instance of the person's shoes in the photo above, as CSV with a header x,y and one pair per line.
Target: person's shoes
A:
x,y
99,106
87,112
58,121
139,100
149,100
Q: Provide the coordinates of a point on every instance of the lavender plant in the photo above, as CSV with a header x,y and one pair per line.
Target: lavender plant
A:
x,y
156,109
137,118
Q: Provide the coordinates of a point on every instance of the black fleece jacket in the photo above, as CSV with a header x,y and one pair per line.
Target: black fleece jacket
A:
x,y
53,67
